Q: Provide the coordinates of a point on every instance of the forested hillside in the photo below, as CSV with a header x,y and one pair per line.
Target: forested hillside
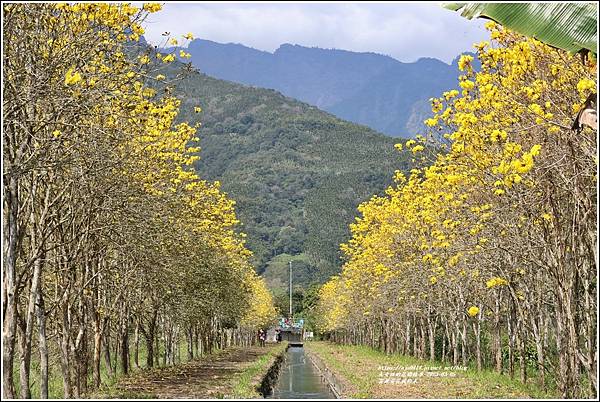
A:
x,y
296,173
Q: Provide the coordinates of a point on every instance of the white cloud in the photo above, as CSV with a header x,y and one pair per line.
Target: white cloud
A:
x,y
405,31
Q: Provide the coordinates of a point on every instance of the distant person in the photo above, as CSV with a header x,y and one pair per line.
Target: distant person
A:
x,y
262,336
278,335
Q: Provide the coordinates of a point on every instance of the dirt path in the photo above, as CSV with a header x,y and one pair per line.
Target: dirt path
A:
x,y
209,377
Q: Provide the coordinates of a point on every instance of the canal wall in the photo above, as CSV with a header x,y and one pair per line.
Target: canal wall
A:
x,y
334,383
268,382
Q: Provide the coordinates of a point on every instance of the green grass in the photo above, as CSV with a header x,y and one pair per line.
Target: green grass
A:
x,y
55,383
246,382
359,365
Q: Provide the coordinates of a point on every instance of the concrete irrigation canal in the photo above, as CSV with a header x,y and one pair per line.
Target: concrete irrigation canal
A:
x,y
299,377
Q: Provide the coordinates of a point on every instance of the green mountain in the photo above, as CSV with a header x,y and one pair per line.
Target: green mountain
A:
x,y
297,173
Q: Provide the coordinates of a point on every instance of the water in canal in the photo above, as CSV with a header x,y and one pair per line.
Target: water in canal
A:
x,y
299,379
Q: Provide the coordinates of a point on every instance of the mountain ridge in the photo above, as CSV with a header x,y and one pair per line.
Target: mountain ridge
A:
x,y
367,88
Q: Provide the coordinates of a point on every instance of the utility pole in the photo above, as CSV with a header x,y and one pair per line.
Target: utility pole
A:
x,y
290,289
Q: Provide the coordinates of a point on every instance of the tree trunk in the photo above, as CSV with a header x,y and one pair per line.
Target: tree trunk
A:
x,y
443,356
136,347
190,343
166,340
195,340
176,345
156,351
422,343
117,351
455,344
431,327
406,348
150,349
537,324
569,367
589,327
22,342
465,352
97,352
11,206
42,346
25,390
477,331
125,343
65,359
497,337
106,347
125,353
541,365
415,338
82,361
511,347
522,357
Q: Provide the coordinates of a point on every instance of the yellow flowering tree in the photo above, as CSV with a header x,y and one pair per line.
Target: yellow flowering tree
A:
x,y
110,233
496,232
262,311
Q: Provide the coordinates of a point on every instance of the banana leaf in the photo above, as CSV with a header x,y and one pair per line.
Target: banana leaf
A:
x,y
567,26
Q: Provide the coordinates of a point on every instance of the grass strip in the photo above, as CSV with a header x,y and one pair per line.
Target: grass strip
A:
x,y
360,367
245,382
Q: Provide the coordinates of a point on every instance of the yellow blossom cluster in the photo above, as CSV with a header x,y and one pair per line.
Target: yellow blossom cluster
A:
x,y
261,312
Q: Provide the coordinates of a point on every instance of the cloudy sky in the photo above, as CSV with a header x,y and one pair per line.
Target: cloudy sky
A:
x,y
405,31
